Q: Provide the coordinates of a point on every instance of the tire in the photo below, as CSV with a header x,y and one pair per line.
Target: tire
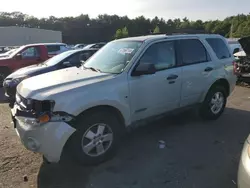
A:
x,y
93,122
3,74
206,111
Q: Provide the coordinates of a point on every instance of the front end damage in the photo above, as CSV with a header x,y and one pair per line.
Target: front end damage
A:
x,y
40,128
242,61
40,111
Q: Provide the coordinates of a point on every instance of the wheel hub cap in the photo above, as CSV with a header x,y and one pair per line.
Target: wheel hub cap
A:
x,y
217,102
97,139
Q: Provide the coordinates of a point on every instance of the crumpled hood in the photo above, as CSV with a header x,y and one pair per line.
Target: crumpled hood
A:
x,y
27,71
59,81
245,43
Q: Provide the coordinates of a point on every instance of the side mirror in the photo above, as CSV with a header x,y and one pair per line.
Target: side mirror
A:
x,y
66,64
18,56
144,69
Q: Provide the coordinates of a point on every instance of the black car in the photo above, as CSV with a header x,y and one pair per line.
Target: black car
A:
x,y
64,60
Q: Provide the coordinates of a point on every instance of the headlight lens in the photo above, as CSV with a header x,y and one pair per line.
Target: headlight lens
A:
x,y
19,79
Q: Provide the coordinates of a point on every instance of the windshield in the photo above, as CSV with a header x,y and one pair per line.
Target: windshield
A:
x,y
58,58
113,57
17,50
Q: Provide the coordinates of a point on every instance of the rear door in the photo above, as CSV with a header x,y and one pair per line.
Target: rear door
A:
x,y
223,60
195,62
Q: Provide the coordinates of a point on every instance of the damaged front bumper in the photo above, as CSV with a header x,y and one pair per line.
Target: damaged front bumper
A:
x,y
47,138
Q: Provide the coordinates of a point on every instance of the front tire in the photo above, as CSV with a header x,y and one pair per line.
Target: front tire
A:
x,y
97,137
3,74
214,103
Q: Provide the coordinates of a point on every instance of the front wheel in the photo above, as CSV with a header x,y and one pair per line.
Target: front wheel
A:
x,y
214,103
3,75
96,138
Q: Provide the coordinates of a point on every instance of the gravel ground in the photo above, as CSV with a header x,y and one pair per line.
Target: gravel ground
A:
x,y
198,154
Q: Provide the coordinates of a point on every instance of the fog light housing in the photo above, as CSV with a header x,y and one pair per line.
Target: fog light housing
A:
x,y
32,144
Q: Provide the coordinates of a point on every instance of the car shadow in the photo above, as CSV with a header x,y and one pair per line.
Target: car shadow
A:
x,y
191,153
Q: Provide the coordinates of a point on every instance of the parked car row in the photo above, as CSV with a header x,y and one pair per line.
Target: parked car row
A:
x,y
32,54
64,60
83,110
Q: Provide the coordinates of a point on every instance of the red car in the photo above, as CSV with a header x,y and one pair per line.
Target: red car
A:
x,y
22,57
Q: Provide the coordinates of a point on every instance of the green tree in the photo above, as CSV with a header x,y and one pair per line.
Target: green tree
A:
x,y
125,32
83,29
157,29
118,34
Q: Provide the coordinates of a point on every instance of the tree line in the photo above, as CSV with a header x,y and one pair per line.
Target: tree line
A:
x,y
83,29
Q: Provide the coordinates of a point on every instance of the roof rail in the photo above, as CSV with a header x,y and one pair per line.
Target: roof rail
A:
x,y
187,31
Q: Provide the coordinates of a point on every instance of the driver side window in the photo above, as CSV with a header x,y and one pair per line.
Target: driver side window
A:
x,y
161,54
30,53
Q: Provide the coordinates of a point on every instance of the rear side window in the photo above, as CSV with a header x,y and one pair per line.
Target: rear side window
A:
x,y
53,48
219,47
193,51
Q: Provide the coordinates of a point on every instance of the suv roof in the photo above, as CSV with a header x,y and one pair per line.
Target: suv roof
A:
x,y
149,38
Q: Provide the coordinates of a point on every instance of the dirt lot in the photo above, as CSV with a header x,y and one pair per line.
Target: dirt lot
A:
x,y
197,155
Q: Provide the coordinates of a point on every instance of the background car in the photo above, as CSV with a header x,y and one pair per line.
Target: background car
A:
x,y
242,58
95,45
77,46
7,53
66,59
56,48
235,46
244,167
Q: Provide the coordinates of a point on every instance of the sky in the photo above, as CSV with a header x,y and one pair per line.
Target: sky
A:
x,y
167,9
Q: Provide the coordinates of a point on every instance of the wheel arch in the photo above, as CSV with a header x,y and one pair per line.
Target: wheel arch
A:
x,y
220,82
109,108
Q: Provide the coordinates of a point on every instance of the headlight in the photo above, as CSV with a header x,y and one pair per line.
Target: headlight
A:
x,y
19,79
43,118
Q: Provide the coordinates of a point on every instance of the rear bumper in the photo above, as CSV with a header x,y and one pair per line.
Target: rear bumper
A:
x,y
244,169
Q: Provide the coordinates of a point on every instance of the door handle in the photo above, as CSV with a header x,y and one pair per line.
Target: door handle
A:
x,y
172,77
208,69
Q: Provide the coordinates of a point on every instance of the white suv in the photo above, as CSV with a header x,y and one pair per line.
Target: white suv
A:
x,y
126,82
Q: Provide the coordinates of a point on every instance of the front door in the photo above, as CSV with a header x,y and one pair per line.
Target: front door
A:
x,y
29,56
160,92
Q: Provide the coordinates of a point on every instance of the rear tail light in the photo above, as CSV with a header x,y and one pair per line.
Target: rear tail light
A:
x,y
234,67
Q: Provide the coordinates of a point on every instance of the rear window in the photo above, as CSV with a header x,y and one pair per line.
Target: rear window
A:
x,y
193,51
219,47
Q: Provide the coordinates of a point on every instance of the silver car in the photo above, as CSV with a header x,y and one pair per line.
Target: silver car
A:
x,y
244,167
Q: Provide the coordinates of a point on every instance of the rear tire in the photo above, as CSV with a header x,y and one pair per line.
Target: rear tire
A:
x,y
214,103
96,138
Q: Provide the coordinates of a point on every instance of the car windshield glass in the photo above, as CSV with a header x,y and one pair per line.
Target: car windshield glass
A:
x,y
58,58
16,51
113,57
